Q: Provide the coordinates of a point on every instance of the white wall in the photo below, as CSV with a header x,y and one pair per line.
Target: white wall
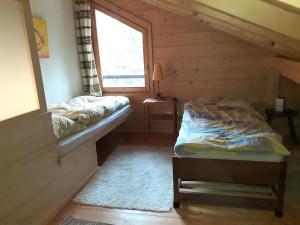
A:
x,y
61,72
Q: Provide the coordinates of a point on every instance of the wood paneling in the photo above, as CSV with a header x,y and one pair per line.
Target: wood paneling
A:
x,y
288,68
291,91
36,188
288,6
188,214
34,183
223,20
289,88
200,61
20,141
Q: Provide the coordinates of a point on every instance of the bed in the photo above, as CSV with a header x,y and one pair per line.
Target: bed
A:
x,y
227,153
87,119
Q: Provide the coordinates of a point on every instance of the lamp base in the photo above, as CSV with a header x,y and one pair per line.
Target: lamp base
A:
x,y
159,96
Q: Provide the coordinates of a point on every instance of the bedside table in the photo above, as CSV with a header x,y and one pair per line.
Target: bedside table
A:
x,y
150,117
289,114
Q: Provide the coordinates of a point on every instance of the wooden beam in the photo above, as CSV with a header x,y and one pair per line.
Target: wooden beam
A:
x,y
284,6
263,37
244,24
288,68
232,30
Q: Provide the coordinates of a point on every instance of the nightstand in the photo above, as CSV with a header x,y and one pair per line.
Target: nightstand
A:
x,y
152,117
289,114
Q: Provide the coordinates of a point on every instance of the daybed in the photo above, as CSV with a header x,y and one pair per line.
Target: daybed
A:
x,y
227,153
87,118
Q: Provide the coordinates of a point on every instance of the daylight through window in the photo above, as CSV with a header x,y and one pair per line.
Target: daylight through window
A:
x,y
121,53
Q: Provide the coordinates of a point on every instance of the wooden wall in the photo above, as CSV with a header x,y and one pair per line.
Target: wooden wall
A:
x,y
289,88
201,62
34,184
291,91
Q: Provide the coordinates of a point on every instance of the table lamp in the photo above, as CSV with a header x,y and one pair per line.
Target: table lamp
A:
x,y
157,76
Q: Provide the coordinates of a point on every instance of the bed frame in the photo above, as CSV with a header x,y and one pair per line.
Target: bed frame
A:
x,y
206,172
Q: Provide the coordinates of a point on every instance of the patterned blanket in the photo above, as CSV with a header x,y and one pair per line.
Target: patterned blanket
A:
x,y
75,115
89,109
227,126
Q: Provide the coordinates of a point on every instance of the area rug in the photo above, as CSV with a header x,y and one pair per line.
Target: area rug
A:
x,y
73,221
133,177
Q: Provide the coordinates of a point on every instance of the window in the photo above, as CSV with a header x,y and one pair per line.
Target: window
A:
x,y
19,71
122,50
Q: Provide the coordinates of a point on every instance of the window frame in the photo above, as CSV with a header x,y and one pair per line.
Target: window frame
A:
x,y
134,22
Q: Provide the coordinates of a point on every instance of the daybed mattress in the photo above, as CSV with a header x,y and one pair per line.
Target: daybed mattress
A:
x,y
98,130
83,112
227,129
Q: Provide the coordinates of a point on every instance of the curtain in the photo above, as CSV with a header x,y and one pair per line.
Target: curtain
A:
x,y
83,21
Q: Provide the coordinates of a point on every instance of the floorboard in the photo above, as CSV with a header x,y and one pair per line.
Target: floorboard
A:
x,y
188,214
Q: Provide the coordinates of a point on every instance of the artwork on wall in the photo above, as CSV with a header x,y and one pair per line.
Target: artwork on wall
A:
x,y
41,37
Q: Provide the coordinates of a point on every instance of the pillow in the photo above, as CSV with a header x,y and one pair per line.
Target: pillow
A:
x,y
62,126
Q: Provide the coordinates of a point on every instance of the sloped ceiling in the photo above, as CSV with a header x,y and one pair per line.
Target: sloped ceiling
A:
x,y
289,5
261,22
260,13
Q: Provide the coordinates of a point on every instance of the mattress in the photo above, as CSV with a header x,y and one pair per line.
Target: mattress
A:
x,y
263,157
227,129
89,109
95,131
82,112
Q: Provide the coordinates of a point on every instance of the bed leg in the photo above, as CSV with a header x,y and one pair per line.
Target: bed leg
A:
x,y
176,184
280,191
176,205
278,213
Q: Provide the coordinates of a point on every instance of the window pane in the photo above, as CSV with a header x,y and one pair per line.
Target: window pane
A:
x,y
121,53
18,93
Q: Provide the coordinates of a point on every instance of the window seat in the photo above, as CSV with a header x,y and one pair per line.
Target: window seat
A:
x,y
86,119
93,132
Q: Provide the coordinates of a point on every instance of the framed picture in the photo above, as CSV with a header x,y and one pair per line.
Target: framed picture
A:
x,y
41,37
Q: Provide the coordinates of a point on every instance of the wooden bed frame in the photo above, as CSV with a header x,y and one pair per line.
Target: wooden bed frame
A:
x,y
269,175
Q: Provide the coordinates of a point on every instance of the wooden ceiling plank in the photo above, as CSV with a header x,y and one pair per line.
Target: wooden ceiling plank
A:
x,y
288,68
284,6
264,31
196,6
213,22
257,40
188,8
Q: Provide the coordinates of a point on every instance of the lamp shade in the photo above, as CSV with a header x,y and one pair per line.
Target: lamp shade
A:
x,y
158,73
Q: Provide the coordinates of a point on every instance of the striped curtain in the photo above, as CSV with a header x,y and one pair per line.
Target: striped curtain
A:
x,y
83,20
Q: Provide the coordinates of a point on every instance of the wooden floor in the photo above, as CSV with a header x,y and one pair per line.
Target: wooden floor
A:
x,y
187,214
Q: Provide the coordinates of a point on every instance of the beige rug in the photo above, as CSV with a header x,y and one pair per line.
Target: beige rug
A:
x,y
73,221
133,177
